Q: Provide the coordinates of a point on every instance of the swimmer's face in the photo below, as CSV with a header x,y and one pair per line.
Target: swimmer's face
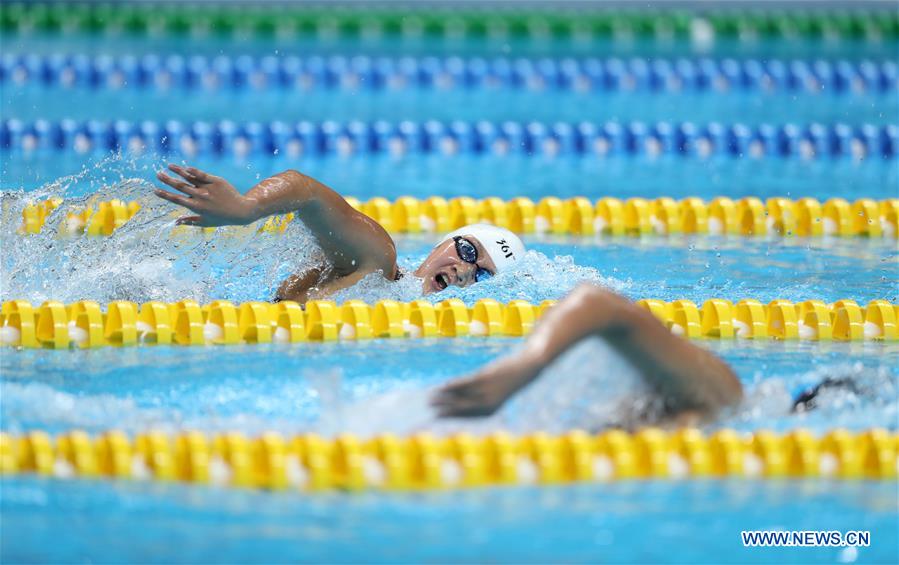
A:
x,y
443,267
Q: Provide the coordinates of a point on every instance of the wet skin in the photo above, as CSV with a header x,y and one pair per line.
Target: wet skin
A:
x,y
443,267
354,244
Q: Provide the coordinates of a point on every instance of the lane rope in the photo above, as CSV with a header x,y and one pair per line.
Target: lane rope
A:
x,y
578,216
284,20
87,324
432,73
581,139
424,462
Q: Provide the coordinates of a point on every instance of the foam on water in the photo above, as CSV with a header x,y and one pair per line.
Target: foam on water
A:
x,y
146,260
295,391
570,394
873,401
143,260
567,396
535,278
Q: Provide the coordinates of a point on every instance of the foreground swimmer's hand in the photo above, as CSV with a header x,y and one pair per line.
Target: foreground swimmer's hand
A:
x,y
214,201
484,392
689,378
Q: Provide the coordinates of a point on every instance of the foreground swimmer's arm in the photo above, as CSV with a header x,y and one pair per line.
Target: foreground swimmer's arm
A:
x,y
690,378
353,243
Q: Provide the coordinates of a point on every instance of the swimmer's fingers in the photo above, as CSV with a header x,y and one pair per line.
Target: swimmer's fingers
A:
x,y
188,203
462,388
466,398
177,184
189,221
444,398
462,408
193,174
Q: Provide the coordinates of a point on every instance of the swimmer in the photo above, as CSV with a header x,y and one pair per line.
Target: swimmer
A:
x,y
354,245
693,383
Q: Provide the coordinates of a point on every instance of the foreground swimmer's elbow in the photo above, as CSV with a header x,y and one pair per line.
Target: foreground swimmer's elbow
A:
x,y
699,379
707,387
610,311
733,390
694,382
686,374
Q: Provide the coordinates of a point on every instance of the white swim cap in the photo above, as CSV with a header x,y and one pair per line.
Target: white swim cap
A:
x,y
503,246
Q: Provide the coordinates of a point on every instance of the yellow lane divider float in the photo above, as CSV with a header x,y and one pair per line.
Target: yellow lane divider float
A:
x,y
806,217
102,219
85,324
426,462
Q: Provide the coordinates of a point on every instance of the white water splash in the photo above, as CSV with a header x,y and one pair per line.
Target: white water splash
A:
x,y
872,401
535,278
570,394
146,259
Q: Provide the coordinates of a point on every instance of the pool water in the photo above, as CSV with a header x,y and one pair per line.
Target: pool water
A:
x,y
480,175
299,388
146,260
319,104
379,386
619,522
296,389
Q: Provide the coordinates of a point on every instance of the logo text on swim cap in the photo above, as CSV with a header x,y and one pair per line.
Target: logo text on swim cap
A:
x,y
505,247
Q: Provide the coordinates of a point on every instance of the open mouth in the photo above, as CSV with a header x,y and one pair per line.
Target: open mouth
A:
x,y
442,281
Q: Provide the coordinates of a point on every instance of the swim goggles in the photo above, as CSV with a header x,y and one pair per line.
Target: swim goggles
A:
x,y
469,253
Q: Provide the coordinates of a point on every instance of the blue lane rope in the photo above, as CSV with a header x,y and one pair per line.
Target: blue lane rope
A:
x,y
831,141
611,74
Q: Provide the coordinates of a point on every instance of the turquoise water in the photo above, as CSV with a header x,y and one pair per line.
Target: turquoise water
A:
x,y
625,522
143,261
298,388
31,101
294,389
381,386
472,175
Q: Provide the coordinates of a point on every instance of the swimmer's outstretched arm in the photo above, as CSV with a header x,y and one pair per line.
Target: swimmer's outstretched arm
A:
x,y
352,241
689,377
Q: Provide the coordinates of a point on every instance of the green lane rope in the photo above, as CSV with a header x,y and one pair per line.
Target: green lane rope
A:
x,y
521,22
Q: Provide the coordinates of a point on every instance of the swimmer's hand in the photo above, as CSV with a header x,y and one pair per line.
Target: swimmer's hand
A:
x,y
214,201
485,391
